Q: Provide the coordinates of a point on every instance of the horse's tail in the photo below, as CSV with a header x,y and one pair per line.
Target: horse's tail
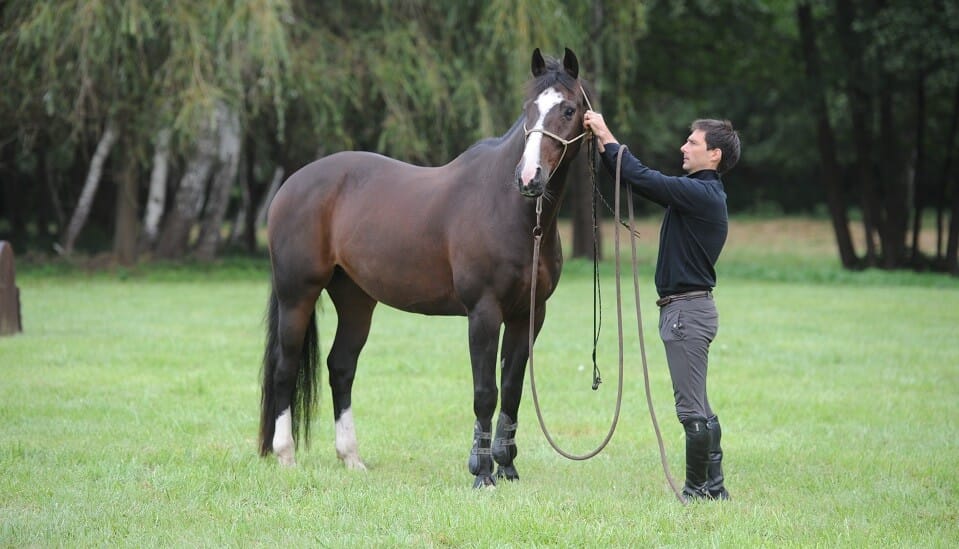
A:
x,y
304,394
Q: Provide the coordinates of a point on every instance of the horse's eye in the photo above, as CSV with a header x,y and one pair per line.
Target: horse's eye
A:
x,y
569,113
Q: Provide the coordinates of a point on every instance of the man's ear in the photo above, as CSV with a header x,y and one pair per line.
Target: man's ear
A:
x,y
716,156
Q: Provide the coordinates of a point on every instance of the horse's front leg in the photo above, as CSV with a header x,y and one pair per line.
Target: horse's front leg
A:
x,y
484,326
515,353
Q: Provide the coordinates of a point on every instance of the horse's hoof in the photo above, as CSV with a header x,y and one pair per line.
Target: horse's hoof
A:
x,y
353,463
508,472
286,459
484,481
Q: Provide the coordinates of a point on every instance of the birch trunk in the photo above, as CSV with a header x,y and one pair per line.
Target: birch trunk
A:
x,y
85,202
188,202
228,161
156,198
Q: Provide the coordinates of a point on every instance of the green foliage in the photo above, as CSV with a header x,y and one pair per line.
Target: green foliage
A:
x,y
422,80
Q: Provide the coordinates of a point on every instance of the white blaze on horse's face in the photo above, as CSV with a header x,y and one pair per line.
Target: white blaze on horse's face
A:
x,y
531,154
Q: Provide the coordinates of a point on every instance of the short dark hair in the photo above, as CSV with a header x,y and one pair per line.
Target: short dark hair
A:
x,y
720,135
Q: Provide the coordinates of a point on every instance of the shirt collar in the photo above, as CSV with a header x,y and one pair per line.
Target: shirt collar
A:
x,y
705,174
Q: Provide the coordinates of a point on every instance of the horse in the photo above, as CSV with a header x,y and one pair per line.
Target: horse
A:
x,y
450,240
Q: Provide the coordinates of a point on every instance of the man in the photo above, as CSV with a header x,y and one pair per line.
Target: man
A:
x,y
691,238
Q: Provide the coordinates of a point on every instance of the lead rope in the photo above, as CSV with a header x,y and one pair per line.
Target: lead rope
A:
x,y
537,237
639,316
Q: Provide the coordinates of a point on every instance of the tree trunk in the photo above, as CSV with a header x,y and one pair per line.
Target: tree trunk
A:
x,y
586,233
946,173
94,174
860,101
264,209
14,199
228,159
188,202
893,226
156,199
952,248
587,237
245,177
919,174
45,161
238,229
249,219
826,141
41,217
128,202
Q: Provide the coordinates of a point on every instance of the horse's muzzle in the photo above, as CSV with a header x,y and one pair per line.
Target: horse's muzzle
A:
x,y
535,187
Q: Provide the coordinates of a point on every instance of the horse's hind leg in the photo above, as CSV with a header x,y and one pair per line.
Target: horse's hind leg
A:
x,y
354,311
293,377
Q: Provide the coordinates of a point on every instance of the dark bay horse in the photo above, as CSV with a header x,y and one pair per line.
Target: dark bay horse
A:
x,y
451,240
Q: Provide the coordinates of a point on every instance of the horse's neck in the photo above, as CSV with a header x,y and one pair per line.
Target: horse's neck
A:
x,y
498,158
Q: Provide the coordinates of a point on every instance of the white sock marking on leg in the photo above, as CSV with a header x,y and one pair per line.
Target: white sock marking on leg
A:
x,y
346,445
283,439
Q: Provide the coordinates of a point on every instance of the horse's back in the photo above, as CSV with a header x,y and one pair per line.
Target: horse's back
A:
x,y
382,221
319,184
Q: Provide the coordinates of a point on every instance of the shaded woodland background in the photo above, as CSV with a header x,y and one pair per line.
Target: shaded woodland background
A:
x,y
159,130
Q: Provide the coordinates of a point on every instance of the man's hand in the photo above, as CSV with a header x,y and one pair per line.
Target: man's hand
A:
x,y
595,123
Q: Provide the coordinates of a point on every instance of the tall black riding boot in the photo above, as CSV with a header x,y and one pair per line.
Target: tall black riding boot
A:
x,y
697,460
715,484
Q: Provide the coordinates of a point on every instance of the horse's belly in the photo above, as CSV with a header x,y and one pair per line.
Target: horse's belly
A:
x,y
416,300
404,280
441,307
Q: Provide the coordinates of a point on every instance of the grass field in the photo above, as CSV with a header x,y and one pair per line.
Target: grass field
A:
x,y
128,416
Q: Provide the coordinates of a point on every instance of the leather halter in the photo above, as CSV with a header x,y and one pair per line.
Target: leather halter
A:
x,y
566,143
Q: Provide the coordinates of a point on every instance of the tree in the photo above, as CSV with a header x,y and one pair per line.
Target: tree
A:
x,y
886,94
90,186
826,140
421,81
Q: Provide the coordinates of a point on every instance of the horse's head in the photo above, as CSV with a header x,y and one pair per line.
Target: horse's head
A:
x,y
553,121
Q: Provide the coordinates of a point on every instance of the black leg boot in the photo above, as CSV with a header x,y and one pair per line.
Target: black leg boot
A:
x,y
504,447
697,460
716,488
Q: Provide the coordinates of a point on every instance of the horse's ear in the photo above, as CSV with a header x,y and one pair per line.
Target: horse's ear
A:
x,y
538,65
570,63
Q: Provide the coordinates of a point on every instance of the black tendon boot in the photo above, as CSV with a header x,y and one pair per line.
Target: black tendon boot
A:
x,y
697,460
481,460
715,484
504,447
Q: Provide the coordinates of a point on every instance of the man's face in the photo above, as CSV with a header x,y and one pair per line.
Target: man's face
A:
x,y
695,155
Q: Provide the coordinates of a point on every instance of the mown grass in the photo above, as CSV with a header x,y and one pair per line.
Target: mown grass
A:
x,y
128,415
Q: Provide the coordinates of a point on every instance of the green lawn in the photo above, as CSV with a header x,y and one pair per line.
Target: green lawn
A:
x,y
128,417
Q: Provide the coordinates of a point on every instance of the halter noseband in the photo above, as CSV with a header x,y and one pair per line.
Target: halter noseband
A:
x,y
566,142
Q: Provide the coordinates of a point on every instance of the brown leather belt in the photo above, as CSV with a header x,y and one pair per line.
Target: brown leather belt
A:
x,y
663,301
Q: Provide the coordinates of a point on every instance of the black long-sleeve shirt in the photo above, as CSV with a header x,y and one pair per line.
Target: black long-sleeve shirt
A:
x,y
694,227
